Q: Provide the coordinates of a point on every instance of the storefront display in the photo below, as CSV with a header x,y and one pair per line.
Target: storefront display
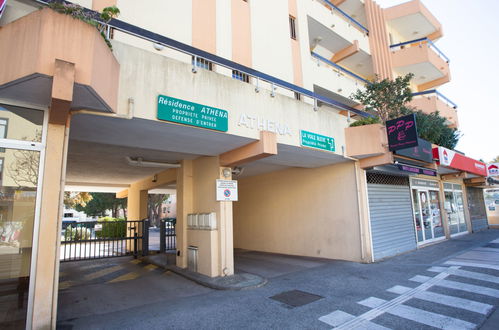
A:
x,y
454,207
426,207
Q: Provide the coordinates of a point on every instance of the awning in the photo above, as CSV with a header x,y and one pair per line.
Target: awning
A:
x,y
452,159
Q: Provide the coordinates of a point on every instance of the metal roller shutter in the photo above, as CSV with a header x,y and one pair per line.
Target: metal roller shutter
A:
x,y
477,209
390,208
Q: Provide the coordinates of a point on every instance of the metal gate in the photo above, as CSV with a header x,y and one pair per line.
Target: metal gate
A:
x,y
390,209
478,213
104,239
167,235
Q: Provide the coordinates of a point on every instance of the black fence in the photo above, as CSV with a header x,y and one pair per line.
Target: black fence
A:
x,y
104,239
167,235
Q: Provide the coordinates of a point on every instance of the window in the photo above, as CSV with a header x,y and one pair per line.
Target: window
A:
x,y
4,123
292,27
203,64
240,76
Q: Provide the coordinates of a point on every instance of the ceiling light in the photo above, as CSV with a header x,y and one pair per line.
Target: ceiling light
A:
x,y
158,47
140,162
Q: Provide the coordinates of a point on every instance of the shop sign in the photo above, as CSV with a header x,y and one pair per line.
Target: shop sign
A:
x,y
416,170
420,152
402,132
193,114
227,190
316,141
263,124
493,169
424,183
453,159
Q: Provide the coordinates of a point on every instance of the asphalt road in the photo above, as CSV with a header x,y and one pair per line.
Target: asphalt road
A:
x,y
451,285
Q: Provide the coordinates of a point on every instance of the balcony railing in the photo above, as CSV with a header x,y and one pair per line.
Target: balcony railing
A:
x,y
197,53
438,94
339,68
346,16
420,42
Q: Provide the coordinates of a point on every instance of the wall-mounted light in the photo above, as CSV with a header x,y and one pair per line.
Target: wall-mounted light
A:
x,y
226,172
158,47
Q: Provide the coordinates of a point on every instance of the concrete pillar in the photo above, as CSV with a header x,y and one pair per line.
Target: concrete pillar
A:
x,y
364,216
136,203
47,262
184,207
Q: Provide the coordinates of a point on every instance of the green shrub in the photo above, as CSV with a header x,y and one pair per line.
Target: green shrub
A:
x,y
77,233
111,228
365,121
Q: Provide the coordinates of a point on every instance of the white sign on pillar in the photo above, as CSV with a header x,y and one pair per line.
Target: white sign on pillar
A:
x,y
227,190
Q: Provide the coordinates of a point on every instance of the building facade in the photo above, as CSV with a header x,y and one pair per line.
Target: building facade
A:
x,y
250,90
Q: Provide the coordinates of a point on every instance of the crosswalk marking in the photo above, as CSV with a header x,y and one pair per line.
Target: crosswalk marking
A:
x,y
102,273
125,277
461,286
419,315
471,264
470,305
468,274
337,318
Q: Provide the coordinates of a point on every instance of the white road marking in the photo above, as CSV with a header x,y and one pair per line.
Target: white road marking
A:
x,y
468,274
471,264
420,278
336,318
496,241
361,320
469,288
419,315
451,301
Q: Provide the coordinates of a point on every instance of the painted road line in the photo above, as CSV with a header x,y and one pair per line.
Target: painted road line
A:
x,y
125,277
462,286
471,264
359,321
65,285
487,249
418,315
102,272
150,267
337,318
421,278
467,274
135,261
495,241
451,301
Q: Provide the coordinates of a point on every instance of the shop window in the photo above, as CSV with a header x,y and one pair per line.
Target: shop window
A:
x,y
292,27
203,64
4,123
240,76
22,124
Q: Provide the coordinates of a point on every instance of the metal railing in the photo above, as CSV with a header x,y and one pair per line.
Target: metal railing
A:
x,y
339,68
196,53
345,16
420,42
167,235
438,94
104,239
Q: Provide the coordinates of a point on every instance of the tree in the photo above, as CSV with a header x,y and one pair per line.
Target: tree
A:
x,y
385,98
71,199
495,160
154,205
101,202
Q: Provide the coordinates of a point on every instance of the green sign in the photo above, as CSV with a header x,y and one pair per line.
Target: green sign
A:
x,y
193,114
317,141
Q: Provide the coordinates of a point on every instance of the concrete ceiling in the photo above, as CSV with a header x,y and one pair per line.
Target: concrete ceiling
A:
x,y
99,145
412,27
330,40
356,10
426,72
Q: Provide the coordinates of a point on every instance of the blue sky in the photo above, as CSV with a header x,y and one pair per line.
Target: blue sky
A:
x,y
471,41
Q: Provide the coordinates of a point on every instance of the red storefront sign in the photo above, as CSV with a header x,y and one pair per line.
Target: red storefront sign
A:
x,y
450,158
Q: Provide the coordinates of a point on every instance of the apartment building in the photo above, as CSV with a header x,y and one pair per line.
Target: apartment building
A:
x,y
248,90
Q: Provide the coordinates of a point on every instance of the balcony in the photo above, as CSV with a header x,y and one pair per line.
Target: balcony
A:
x,y
334,29
432,101
369,144
421,57
411,20
336,81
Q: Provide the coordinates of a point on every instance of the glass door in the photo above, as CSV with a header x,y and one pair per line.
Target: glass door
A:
x,y
438,229
454,207
426,215
427,218
458,195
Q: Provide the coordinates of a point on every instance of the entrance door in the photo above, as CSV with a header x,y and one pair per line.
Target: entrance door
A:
x,y
454,207
427,215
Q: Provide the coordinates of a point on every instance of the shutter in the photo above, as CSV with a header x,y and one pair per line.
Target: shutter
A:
x,y
392,226
478,213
